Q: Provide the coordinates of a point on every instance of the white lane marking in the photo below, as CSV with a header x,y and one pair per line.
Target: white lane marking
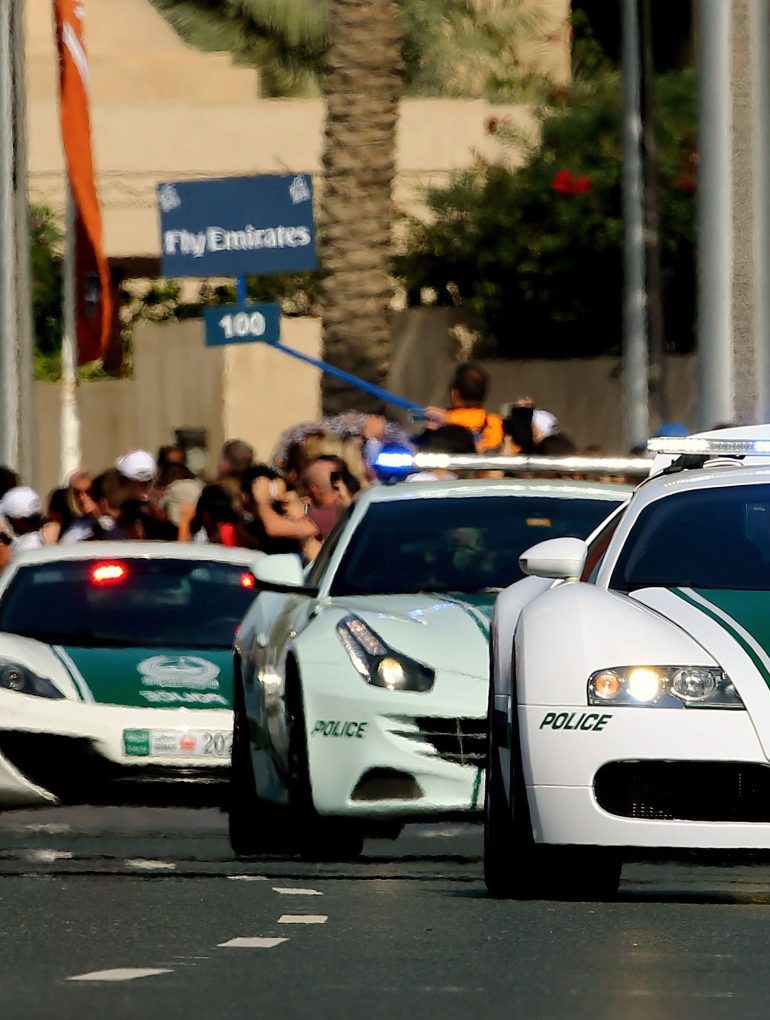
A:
x,y
302,919
121,974
255,942
49,856
142,865
51,827
294,891
247,878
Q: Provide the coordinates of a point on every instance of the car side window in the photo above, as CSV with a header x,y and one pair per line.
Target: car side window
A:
x,y
598,547
321,562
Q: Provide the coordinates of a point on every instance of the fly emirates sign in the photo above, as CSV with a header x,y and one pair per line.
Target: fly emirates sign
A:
x,y
237,225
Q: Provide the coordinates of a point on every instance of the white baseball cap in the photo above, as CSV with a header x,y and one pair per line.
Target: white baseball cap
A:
x,y
138,465
20,502
544,424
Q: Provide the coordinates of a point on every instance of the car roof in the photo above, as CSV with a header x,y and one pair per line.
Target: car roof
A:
x,y
561,488
133,550
714,474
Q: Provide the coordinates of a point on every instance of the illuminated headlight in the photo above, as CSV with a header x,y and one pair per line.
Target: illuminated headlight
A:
x,y
663,687
15,677
379,665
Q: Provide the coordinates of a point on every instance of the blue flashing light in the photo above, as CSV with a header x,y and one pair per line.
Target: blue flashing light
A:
x,y
393,463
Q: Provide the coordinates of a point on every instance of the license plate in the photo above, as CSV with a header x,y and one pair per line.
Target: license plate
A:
x,y
177,743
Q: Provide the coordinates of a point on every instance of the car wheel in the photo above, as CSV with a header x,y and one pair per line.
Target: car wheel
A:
x,y
515,866
511,866
317,838
254,825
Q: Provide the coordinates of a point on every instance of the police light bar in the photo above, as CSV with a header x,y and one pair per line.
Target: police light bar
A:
x,y
631,466
678,446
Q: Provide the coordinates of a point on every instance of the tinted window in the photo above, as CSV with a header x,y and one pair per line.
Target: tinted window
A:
x,y
710,538
165,602
456,544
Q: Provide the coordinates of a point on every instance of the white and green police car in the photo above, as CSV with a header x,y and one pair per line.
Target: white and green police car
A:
x,y
361,684
116,672
630,696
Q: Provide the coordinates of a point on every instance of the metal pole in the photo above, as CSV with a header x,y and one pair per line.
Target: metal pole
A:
x,y
25,341
760,62
715,237
71,458
635,354
8,315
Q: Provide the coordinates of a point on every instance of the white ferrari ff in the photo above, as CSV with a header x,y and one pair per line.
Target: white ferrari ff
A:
x,y
361,685
630,696
116,672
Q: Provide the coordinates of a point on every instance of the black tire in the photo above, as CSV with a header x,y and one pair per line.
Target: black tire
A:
x,y
515,866
254,826
511,864
316,838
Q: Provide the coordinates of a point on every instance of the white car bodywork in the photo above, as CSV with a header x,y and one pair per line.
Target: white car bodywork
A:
x,y
626,775
52,734
375,753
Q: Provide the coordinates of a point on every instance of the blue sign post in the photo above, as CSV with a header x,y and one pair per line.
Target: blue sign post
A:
x,y
237,225
242,323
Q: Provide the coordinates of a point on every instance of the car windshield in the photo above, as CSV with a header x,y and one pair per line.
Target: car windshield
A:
x,y
462,544
149,603
706,538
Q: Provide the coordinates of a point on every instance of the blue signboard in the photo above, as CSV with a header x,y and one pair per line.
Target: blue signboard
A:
x,y
237,225
239,324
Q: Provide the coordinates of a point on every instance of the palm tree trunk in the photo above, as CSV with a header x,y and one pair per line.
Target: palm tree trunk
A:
x,y
362,88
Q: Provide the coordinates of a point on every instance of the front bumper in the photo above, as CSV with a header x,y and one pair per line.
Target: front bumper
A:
x,y
689,778
381,754
70,752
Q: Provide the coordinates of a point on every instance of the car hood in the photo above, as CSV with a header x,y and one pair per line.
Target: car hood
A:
x,y
445,631
150,677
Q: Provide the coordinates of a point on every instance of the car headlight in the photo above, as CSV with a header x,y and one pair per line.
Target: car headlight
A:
x,y
379,665
15,677
663,687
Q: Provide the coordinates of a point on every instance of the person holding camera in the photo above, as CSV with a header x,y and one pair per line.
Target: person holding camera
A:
x,y
275,519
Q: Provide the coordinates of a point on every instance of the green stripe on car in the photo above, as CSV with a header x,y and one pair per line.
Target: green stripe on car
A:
x,y
746,609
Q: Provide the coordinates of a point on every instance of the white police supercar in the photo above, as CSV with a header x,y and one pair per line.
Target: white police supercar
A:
x,y
630,696
361,685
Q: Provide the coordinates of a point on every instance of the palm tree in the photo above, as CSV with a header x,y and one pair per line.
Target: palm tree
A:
x,y
363,89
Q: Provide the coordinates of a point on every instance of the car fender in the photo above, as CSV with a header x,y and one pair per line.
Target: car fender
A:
x,y
508,608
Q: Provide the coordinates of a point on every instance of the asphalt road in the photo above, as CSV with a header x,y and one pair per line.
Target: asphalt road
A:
x,y
129,913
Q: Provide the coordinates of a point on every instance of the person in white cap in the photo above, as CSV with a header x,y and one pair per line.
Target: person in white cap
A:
x,y
23,510
139,468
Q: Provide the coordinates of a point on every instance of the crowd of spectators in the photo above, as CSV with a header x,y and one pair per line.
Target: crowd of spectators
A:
x,y
290,504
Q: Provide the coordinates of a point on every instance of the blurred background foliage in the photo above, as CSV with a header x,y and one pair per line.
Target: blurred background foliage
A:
x,y
534,254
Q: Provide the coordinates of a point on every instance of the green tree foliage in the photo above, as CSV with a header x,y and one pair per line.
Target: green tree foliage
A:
x,y
451,47
535,254
45,254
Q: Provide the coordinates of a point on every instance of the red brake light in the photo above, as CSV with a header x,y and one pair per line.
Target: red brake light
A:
x,y
248,581
108,573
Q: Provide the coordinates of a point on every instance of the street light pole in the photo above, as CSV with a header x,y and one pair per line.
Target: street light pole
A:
x,y
715,214
635,352
9,423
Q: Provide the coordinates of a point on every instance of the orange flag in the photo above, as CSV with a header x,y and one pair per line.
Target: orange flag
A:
x,y
93,291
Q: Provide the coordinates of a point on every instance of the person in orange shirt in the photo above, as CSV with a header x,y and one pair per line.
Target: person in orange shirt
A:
x,y
467,393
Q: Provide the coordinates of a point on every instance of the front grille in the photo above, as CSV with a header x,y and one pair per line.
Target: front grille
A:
x,y
688,791
461,741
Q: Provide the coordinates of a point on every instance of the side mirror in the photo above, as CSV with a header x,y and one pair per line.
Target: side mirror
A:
x,y
558,558
282,573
